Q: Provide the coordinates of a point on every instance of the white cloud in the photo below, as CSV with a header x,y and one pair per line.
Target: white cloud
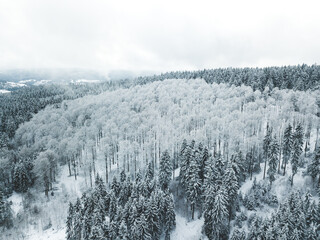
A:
x,y
157,35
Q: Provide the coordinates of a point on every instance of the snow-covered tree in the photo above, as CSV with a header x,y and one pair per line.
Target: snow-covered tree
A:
x,y
273,159
165,170
287,147
296,149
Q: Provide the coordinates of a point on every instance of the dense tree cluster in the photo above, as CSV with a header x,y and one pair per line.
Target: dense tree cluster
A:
x,y
143,209
300,77
6,217
296,218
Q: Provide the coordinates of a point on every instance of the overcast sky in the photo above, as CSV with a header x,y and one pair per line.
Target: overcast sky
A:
x,y
157,35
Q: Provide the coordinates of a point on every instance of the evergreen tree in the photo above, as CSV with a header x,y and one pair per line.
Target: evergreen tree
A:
x,y
69,231
5,212
185,158
238,235
220,214
165,170
230,183
170,216
123,231
266,146
152,217
287,146
314,167
144,231
115,186
297,149
273,159
20,178
193,184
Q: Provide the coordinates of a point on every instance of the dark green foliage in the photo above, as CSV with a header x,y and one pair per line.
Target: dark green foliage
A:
x,y
314,167
287,147
6,218
296,149
273,159
135,213
165,170
301,77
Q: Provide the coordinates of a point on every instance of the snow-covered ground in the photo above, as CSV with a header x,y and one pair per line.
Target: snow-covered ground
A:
x,y
187,230
16,200
4,91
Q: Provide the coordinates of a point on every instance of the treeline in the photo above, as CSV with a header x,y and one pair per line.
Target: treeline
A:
x,y
300,77
298,217
142,209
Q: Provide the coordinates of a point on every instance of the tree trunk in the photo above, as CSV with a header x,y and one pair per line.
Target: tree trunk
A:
x,y
285,166
192,210
106,162
265,167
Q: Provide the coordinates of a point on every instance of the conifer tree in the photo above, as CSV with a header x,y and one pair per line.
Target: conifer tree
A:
x,y
266,146
170,216
220,214
273,159
296,149
165,170
193,184
287,146
230,183
314,167
70,217
5,212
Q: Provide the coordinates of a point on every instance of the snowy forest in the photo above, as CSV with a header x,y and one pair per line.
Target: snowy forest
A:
x,y
230,153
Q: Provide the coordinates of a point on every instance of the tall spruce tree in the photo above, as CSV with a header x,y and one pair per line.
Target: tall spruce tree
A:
x,y
193,184
266,148
314,167
165,170
287,147
297,149
273,159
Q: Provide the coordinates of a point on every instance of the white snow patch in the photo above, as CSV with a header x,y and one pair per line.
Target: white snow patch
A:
x,y
4,91
177,172
54,234
188,230
41,82
16,200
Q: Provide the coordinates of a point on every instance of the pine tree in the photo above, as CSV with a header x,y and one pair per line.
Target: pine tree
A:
x,y
238,235
220,214
205,163
5,212
297,149
185,159
115,186
143,228
287,146
165,170
273,159
266,145
123,231
21,178
231,185
314,167
77,219
152,215
70,217
208,210
170,216
193,184
311,233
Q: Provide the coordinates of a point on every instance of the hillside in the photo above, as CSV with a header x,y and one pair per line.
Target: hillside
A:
x,y
127,130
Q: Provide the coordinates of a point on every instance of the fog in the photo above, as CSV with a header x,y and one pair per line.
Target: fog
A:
x,y
157,35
